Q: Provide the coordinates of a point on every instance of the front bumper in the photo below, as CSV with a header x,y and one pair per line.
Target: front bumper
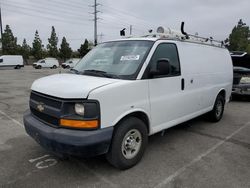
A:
x,y
67,141
241,89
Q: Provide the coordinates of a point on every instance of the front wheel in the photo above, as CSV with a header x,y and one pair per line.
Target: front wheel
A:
x,y
216,114
128,144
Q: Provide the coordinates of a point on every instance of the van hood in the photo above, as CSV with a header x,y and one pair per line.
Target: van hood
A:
x,y
70,86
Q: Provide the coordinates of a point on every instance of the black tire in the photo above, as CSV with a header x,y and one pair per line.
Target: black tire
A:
x,y
39,67
54,67
216,114
116,155
68,67
17,67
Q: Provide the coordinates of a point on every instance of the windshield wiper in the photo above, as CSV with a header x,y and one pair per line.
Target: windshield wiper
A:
x,y
99,73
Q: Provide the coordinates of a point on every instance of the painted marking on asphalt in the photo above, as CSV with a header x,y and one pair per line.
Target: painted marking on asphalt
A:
x,y
197,159
43,162
46,163
38,158
15,121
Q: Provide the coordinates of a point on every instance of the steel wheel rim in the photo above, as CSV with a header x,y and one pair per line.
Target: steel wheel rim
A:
x,y
219,108
131,144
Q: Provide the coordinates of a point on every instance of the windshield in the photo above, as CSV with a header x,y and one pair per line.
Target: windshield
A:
x,y
122,59
41,61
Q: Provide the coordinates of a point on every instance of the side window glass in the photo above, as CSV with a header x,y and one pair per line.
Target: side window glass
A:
x,y
1,60
167,51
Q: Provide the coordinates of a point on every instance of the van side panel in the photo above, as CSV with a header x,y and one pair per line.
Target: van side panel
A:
x,y
11,60
207,70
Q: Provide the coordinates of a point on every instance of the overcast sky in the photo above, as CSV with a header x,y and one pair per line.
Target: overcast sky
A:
x,y
73,20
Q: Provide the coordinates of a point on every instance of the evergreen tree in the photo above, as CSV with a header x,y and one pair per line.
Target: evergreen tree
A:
x,y
25,50
84,49
65,50
9,42
52,46
37,49
239,38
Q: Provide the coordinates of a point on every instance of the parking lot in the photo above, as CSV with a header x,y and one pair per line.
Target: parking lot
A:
x,y
194,154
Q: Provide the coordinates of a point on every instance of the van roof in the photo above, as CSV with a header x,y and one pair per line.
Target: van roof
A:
x,y
174,35
156,38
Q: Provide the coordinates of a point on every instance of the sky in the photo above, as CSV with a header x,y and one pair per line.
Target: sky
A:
x,y
73,18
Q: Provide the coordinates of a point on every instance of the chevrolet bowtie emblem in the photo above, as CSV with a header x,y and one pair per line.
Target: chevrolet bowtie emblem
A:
x,y
40,107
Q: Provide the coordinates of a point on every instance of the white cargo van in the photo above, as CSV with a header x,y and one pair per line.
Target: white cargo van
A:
x,y
70,63
46,63
15,61
126,90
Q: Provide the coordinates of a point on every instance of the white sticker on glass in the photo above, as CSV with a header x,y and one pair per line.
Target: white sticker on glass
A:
x,y
130,58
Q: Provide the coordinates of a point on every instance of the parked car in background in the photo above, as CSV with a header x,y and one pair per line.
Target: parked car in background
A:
x,y
15,61
240,59
70,63
46,63
241,83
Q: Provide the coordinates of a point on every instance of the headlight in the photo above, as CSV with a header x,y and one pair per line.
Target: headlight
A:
x,y
79,109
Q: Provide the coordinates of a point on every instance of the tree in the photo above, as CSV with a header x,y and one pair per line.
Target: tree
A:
x,y
65,50
52,46
25,50
239,38
84,49
9,42
37,49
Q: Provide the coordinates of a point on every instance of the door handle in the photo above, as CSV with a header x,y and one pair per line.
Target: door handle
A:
x,y
182,84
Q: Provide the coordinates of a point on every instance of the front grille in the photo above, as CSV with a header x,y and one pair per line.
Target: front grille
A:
x,y
49,101
45,117
49,116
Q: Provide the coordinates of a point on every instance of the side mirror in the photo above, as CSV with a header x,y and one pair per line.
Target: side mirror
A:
x,y
162,68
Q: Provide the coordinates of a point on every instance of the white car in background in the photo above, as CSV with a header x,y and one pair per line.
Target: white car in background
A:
x,y
46,63
70,63
15,61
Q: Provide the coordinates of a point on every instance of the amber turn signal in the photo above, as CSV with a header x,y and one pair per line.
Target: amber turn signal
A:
x,y
93,124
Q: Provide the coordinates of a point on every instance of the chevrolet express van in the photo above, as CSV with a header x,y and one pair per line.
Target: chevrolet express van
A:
x,y
123,91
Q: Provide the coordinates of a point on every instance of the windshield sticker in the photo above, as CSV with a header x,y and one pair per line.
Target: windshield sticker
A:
x,y
130,58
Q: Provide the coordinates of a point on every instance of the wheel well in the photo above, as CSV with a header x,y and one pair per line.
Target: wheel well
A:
x,y
140,115
223,93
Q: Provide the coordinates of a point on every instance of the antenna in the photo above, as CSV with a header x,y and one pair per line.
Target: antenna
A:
x,y
182,30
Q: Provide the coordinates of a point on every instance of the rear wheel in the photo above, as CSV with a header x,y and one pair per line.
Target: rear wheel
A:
x,y
18,67
54,67
216,114
128,144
